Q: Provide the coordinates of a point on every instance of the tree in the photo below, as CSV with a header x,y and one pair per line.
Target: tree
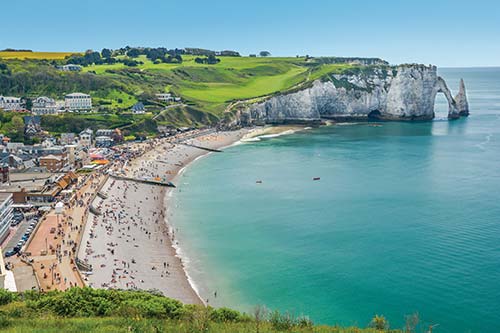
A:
x,y
29,103
133,53
264,53
379,323
16,130
106,53
211,59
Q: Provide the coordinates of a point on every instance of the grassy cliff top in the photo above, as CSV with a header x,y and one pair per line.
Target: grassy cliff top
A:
x,y
93,310
206,88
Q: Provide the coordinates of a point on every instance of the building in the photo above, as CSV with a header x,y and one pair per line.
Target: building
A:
x,y
70,68
103,141
71,149
78,102
104,132
138,108
53,163
37,188
67,138
14,147
85,137
32,125
10,103
4,173
6,214
164,97
44,105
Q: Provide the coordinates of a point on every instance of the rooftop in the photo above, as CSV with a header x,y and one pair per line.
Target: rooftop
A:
x,y
77,95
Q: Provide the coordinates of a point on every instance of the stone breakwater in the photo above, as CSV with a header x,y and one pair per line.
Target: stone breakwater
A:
x,y
405,92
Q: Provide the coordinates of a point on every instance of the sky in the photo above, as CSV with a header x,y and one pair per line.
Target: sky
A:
x,y
441,32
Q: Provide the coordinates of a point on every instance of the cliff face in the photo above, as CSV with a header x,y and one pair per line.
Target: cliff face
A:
x,y
407,92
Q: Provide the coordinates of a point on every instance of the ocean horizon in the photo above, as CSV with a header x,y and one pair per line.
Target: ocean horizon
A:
x,y
404,218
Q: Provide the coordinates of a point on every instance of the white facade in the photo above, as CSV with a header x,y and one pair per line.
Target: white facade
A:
x,y
78,102
44,105
5,214
10,103
71,68
164,97
86,137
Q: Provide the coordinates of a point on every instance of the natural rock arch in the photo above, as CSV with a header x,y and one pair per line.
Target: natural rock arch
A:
x,y
441,87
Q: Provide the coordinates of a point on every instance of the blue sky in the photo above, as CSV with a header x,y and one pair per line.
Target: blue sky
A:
x,y
445,33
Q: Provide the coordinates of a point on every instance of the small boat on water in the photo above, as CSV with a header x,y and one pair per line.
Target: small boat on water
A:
x,y
316,178
258,182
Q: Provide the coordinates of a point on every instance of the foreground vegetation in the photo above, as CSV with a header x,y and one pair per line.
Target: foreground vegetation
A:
x,y
91,310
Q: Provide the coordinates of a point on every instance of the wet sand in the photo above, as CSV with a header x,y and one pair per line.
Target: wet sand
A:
x,y
130,245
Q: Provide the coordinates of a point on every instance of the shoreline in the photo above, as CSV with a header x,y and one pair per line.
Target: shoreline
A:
x,y
160,256
139,235
268,132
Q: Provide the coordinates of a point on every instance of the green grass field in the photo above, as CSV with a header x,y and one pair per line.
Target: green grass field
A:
x,y
35,55
208,89
213,87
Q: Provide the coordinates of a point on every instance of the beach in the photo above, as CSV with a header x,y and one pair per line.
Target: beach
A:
x,y
130,245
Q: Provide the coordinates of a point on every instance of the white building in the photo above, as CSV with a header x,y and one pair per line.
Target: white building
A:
x,y
14,147
164,97
44,105
6,214
10,103
78,102
85,137
71,68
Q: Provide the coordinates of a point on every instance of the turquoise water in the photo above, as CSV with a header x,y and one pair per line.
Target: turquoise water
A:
x,y
405,218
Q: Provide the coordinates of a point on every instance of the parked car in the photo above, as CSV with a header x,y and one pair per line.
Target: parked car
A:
x,y
10,253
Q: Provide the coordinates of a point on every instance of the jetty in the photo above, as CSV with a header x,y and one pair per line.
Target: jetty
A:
x,y
158,182
201,147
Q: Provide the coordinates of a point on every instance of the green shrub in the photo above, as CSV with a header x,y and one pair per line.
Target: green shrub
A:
x,y
6,297
4,321
281,322
379,323
142,308
224,315
304,322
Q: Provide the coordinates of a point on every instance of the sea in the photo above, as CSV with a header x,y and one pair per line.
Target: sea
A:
x,y
405,219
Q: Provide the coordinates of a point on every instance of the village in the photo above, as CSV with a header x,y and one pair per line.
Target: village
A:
x,y
46,190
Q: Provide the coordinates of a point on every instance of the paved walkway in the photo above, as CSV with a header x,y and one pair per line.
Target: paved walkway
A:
x,y
53,246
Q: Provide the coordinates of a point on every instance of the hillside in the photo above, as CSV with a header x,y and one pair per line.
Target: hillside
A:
x,y
204,88
92,310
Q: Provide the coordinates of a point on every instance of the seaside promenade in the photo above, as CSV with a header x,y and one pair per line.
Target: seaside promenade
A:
x,y
51,251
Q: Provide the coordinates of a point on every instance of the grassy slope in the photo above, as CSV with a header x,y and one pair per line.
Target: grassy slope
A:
x,y
125,325
205,88
213,87
98,310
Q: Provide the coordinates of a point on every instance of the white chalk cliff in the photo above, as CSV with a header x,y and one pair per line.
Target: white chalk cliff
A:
x,y
405,92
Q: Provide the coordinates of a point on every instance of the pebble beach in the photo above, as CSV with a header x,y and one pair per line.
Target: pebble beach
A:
x,y
130,245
